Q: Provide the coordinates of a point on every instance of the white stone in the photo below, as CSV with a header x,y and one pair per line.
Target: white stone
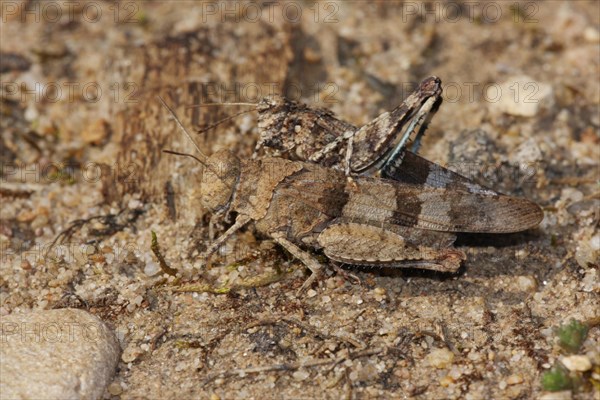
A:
x,y
440,358
577,363
564,395
134,203
514,379
526,154
591,34
590,281
521,96
527,283
56,354
595,242
151,268
300,375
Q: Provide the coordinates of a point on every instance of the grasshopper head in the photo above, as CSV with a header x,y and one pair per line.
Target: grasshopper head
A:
x,y
221,172
271,103
219,179
273,114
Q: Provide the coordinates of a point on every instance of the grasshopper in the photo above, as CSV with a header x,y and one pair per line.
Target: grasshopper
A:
x,y
304,207
302,133
314,134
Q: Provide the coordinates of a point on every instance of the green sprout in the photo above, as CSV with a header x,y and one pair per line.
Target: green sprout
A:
x,y
572,335
557,379
161,260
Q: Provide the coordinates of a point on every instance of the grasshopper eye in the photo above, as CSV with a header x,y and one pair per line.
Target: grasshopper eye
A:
x,y
219,179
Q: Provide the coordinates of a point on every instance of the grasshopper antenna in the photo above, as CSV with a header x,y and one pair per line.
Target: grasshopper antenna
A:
x,y
184,154
222,104
223,120
253,105
204,158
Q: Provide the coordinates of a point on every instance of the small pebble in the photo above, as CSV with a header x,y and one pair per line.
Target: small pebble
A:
x,y
446,381
455,373
26,216
36,344
353,376
31,113
577,363
440,358
300,375
591,34
311,293
564,395
521,96
151,268
502,385
134,204
367,373
130,354
527,283
528,152
514,379
40,221
379,294
595,242
115,389
590,281
379,290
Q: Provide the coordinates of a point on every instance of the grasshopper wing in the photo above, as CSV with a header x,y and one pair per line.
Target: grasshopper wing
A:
x,y
448,210
417,170
377,201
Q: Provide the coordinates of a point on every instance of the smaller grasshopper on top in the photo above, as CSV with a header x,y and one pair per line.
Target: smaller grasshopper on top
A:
x,y
299,132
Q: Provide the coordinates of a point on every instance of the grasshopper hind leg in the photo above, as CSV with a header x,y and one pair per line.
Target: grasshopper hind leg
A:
x,y
423,118
362,244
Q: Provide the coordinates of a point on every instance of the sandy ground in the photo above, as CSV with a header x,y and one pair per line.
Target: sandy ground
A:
x,y
82,134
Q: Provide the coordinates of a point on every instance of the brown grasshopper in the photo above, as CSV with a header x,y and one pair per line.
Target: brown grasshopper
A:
x,y
301,133
369,221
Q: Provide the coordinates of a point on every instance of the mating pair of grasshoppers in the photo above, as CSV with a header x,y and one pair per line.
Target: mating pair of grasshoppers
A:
x,y
356,194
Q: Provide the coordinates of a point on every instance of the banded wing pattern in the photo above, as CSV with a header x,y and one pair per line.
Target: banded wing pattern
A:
x,y
376,201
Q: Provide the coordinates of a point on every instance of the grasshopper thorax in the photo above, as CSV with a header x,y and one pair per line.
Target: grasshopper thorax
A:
x,y
219,180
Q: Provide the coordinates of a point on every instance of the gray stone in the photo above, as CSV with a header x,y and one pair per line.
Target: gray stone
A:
x,y
56,354
521,96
